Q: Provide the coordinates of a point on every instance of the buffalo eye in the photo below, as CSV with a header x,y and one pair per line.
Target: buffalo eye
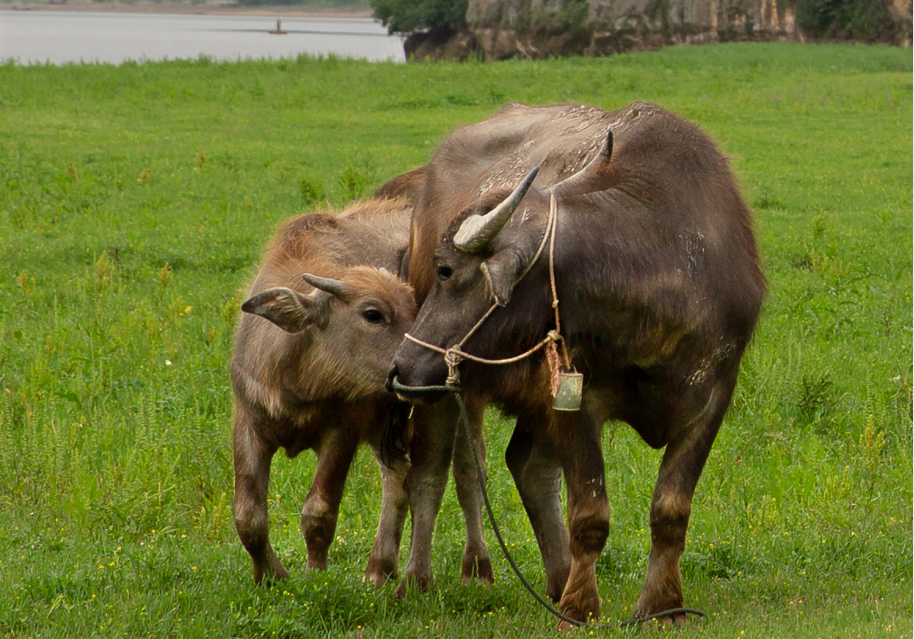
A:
x,y
373,316
444,272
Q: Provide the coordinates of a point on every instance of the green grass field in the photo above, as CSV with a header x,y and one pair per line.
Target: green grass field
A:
x,y
135,201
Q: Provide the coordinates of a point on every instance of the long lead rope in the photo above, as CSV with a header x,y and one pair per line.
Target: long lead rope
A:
x,y
468,433
454,355
465,419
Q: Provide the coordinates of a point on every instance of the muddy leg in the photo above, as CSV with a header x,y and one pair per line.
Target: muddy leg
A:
x,y
384,561
431,450
534,464
322,505
476,560
588,510
252,459
671,506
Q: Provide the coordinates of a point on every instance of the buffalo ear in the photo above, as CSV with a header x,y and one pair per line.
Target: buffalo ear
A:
x,y
501,271
289,310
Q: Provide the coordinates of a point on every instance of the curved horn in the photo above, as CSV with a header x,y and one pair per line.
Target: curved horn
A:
x,y
337,288
478,230
578,183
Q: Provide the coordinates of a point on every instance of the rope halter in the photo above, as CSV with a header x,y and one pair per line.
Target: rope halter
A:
x,y
454,355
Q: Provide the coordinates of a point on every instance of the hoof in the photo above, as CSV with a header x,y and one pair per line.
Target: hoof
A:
x,y
672,620
267,578
379,573
279,571
677,619
583,607
317,560
566,626
647,609
317,565
412,583
376,579
479,568
583,618
554,593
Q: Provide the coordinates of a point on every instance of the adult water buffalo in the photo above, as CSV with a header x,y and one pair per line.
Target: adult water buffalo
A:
x,y
656,268
319,381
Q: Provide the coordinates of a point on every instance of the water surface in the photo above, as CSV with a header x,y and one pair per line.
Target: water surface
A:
x,y
63,36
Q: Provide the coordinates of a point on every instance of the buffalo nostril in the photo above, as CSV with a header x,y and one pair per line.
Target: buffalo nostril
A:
x,y
391,374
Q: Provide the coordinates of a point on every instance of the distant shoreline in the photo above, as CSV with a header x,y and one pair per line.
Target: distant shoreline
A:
x,y
188,8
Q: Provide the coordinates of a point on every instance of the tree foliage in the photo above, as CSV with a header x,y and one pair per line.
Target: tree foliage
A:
x,y
414,16
867,20
305,4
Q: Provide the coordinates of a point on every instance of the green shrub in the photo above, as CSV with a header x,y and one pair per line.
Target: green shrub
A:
x,y
411,16
311,4
868,20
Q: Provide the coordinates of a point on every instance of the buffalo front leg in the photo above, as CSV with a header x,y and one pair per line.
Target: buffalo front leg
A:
x,y
534,464
578,441
252,459
431,450
476,561
671,506
384,560
322,505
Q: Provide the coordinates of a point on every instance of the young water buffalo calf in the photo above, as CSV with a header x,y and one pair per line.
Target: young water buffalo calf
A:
x,y
313,375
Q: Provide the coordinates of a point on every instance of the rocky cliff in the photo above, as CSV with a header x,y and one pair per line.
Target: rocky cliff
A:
x,y
500,29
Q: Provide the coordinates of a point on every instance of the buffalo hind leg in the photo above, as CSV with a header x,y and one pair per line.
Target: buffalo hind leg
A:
x,y
579,445
252,459
671,505
534,464
322,505
476,560
384,560
431,450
